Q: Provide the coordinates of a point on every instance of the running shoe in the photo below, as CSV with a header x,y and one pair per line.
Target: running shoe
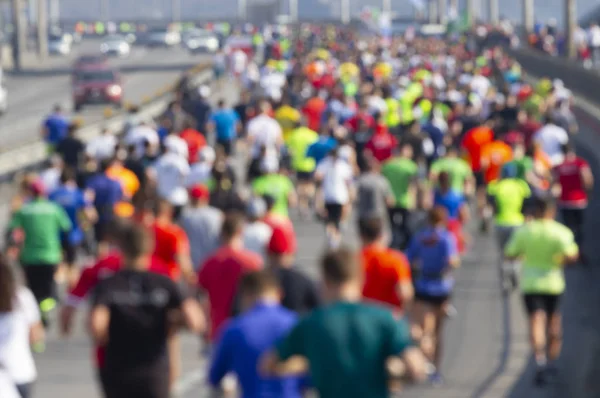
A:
x,y
436,379
539,380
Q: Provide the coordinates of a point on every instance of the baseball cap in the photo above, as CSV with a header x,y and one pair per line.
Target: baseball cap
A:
x,y
199,191
37,187
280,242
256,208
204,91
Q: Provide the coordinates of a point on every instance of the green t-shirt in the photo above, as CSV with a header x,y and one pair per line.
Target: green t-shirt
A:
x,y
522,165
277,186
542,244
42,222
348,341
458,170
509,194
300,140
401,173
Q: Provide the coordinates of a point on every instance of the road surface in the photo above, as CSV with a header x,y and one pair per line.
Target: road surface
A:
x,y
33,94
486,349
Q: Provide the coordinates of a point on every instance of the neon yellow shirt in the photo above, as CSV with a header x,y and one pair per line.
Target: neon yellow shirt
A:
x,y
300,139
287,117
509,193
542,245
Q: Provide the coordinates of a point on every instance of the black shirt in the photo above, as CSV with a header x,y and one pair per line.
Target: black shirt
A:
x,y
70,150
137,167
139,303
300,294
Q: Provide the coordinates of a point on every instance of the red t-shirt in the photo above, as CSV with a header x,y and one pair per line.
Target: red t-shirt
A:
x,y
170,240
354,122
381,144
473,142
195,141
104,268
313,110
276,221
568,174
219,276
529,128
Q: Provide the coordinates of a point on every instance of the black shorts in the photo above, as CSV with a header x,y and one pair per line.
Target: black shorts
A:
x,y
69,250
101,230
40,280
479,179
227,146
304,176
334,214
436,301
549,303
135,386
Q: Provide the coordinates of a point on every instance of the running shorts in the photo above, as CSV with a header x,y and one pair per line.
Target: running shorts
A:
x,y
334,214
40,280
69,250
436,301
304,176
548,303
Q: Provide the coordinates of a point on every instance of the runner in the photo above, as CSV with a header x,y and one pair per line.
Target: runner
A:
x,y
42,223
433,253
544,246
299,142
277,185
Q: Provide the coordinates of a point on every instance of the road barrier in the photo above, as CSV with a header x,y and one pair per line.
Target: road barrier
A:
x,y
32,156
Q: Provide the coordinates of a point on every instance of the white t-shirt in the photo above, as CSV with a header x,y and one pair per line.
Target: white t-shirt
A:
x,y
550,138
264,131
594,33
377,104
272,83
102,147
257,236
140,134
199,174
172,171
480,85
336,175
50,178
7,386
15,352
239,59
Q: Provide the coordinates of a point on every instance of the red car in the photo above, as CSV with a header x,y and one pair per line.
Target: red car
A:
x,y
97,85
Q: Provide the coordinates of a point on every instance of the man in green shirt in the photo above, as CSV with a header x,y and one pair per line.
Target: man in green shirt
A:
x,y
459,170
349,346
401,172
300,139
42,223
507,196
545,246
275,184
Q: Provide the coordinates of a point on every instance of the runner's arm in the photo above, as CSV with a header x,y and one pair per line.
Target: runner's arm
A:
x,y
99,321
587,177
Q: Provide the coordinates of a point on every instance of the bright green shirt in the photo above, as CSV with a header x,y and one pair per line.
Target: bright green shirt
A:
x,y
509,194
401,172
298,143
42,221
458,170
542,245
276,185
344,342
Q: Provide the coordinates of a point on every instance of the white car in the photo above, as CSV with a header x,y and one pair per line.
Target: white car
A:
x,y
60,46
163,38
115,45
202,42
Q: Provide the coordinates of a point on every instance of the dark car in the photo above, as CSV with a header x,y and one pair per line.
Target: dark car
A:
x,y
97,85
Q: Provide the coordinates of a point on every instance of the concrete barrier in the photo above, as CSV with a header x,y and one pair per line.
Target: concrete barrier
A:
x,y
585,83
32,156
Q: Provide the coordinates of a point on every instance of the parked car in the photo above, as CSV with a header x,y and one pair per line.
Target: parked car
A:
x,y
202,42
97,85
115,45
90,60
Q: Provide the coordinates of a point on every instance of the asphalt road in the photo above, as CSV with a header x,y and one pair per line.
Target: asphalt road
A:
x,y
33,93
486,348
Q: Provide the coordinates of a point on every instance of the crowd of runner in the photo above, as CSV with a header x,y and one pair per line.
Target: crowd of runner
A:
x,y
188,221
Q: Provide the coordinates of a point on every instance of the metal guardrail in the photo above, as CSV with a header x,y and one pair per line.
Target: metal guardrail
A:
x,y
32,156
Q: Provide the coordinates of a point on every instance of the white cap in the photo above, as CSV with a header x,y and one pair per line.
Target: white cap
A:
x,y
176,145
207,154
204,91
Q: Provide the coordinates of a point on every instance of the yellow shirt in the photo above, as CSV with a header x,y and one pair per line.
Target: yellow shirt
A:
x,y
288,118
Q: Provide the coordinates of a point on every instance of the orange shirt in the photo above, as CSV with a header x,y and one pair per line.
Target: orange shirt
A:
x,y
195,141
313,111
493,157
170,240
473,141
130,184
384,269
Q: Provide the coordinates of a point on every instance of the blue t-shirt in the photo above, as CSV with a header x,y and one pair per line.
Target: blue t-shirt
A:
x,y
107,193
320,149
452,201
57,126
241,346
433,248
73,201
225,121
436,135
